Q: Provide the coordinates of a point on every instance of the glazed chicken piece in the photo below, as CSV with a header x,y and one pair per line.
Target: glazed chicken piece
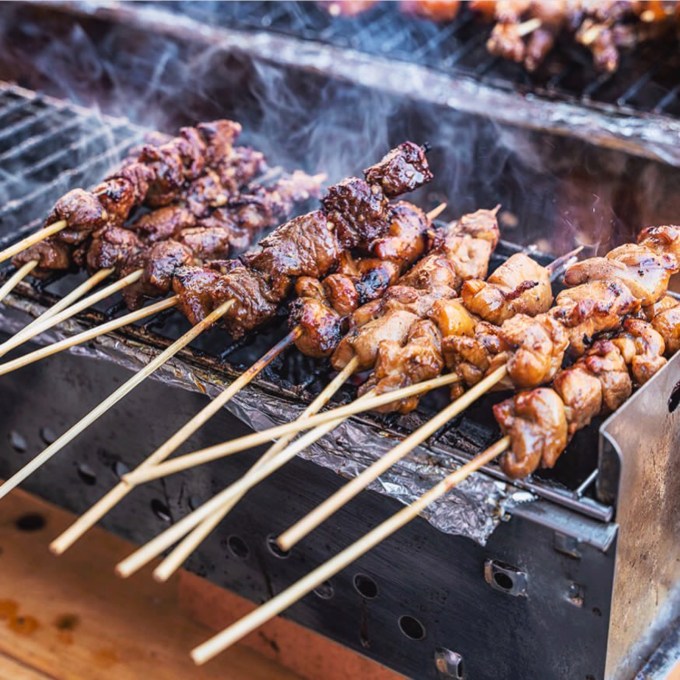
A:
x,y
398,365
474,355
592,308
667,324
462,252
519,285
642,347
663,239
645,273
537,426
537,347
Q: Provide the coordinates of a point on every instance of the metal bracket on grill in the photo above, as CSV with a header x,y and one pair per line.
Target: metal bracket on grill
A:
x,y
506,578
639,459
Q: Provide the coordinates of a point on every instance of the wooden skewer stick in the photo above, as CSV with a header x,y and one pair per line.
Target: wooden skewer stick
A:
x,y
96,512
528,27
178,556
86,336
436,212
155,547
75,295
346,493
99,509
18,276
212,453
112,399
25,335
234,446
315,578
32,239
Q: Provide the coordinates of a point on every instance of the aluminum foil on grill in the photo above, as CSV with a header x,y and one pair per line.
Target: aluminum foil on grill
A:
x,y
472,509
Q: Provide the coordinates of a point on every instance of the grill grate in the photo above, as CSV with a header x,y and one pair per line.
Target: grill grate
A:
x,y
48,147
645,82
54,145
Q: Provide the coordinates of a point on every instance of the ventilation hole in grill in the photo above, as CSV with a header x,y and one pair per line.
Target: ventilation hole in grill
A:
x,y
47,434
18,441
597,611
411,627
31,521
503,580
161,510
365,586
87,474
274,549
325,591
120,469
238,547
674,399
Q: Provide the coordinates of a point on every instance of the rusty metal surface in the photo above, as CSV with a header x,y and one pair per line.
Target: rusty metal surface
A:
x,y
643,436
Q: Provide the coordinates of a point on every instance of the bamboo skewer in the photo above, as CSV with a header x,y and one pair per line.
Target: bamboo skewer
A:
x,y
45,324
99,509
18,276
112,399
75,295
528,27
346,493
178,556
212,453
32,239
315,578
87,335
234,446
155,547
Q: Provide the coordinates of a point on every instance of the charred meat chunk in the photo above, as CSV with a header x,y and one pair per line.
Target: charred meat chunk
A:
x,y
402,170
357,211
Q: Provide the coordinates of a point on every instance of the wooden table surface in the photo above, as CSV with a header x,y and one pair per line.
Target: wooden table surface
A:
x,y
72,618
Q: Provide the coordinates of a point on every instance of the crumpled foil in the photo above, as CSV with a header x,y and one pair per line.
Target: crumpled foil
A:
x,y
472,509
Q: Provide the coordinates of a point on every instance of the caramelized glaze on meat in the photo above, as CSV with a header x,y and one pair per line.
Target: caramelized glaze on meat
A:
x,y
592,308
643,272
402,170
462,251
538,345
305,246
399,365
519,285
537,426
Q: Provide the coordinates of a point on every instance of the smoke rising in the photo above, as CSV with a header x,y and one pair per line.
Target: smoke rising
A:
x,y
555,192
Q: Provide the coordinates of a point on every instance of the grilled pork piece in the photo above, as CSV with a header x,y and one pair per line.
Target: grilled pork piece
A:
x,y
155,176
322,307
519,284
356,213
597,384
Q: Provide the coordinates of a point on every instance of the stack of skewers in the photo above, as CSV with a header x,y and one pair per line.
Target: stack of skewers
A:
x,y
379,291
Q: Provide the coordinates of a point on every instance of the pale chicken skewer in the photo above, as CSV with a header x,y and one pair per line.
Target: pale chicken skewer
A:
x,y
529,351
638,348
145,553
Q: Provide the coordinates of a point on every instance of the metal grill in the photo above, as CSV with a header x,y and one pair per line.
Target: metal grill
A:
x,y
645,82
76,147
48,147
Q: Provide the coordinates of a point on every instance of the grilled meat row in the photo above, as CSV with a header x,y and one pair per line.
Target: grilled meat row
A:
x,y
355,213
542,421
